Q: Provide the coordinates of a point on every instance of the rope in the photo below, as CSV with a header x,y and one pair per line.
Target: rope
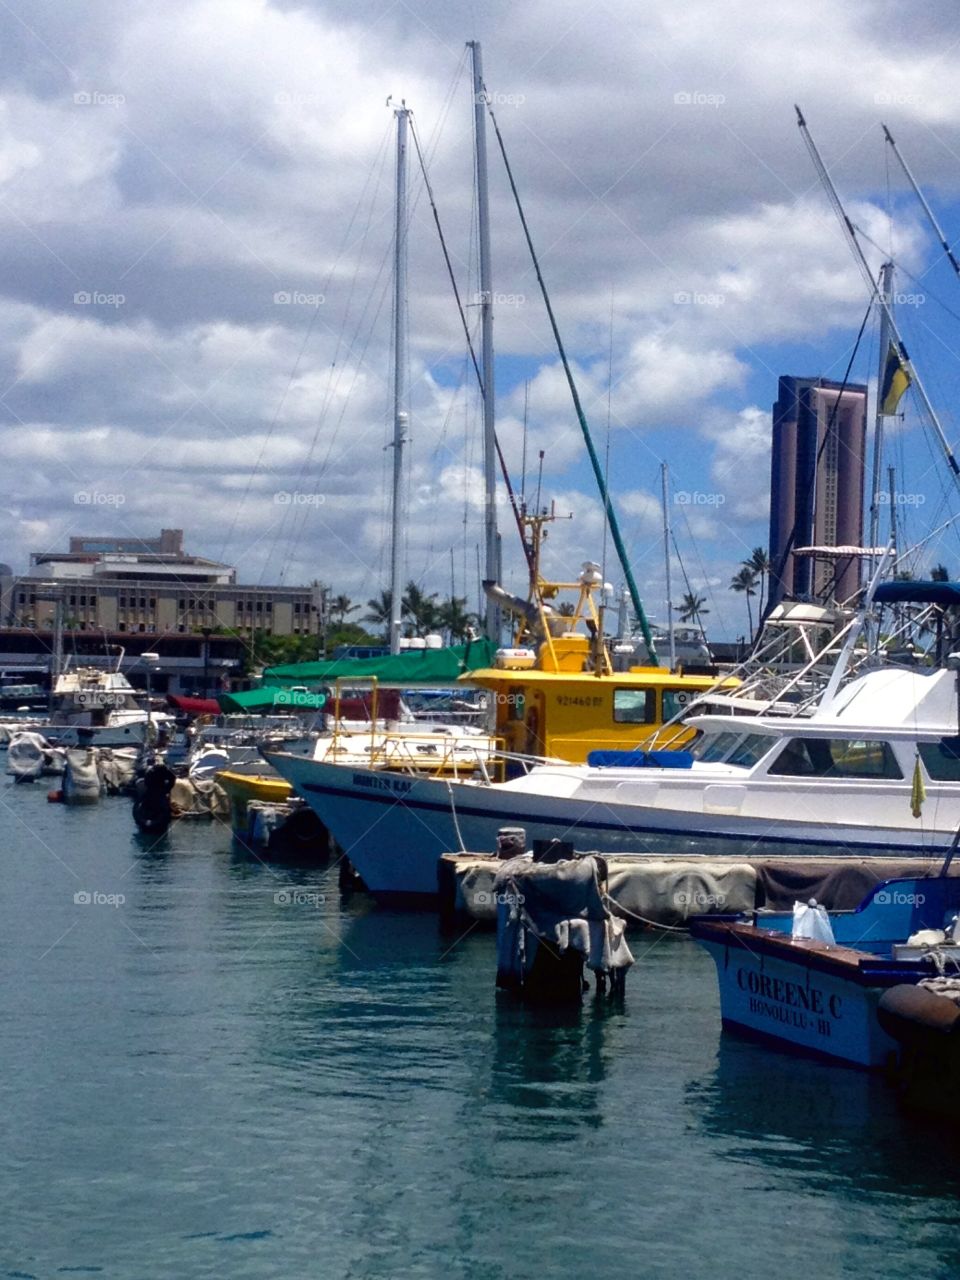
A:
x,y
655,924
456,824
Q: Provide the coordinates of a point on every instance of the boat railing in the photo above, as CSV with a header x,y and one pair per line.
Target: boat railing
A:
x,y
480,760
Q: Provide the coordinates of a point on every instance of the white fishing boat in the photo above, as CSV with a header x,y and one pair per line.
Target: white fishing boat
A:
x,y
873,768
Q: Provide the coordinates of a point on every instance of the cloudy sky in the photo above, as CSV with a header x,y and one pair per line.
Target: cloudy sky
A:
x,y
195,240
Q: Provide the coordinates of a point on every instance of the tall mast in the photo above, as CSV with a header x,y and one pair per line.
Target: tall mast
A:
x,y
400,411
491,556
665,482
854,243
886,277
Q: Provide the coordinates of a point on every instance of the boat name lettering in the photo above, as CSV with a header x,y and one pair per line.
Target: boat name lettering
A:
x,y
578,700
396,785
784,992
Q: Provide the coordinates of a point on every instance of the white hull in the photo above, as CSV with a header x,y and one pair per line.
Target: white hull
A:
x,y
393,827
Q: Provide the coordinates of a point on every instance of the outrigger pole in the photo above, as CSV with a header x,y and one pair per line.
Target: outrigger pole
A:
x,y
851,234
591,451
920,196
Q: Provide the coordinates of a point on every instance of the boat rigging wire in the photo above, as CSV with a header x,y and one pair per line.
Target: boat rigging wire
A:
x,y
466,329
578,407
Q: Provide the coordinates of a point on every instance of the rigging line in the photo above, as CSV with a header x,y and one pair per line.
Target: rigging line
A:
x,y
336,369
305,464
343,247
575,395
473,356
777,574
907,272
920,196
860,258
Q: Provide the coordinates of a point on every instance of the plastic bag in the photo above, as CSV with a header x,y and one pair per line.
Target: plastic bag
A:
x,y
810,920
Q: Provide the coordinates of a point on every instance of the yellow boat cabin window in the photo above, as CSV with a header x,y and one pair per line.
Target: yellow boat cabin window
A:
x,y
676,701
634,706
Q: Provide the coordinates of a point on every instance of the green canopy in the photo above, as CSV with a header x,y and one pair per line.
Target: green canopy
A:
x,y
272,699
434,668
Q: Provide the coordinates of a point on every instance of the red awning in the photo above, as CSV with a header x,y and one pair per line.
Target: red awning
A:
x,y
194,706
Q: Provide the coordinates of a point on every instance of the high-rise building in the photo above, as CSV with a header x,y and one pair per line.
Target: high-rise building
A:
x,y
816,487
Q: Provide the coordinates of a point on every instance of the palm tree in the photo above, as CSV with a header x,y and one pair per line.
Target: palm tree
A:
x,y
745,580
761,564
939,573
380,608
454,619
340,606
691,608
421,608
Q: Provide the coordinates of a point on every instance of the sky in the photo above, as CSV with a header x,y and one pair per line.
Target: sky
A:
x,y
195,251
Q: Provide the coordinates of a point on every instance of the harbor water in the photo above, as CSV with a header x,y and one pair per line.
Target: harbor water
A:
x,y
217,1067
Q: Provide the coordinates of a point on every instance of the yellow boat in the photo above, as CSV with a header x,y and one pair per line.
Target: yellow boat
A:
x,y
557,693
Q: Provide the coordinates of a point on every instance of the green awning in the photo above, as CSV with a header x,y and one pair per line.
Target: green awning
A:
x,y
272,699
432,668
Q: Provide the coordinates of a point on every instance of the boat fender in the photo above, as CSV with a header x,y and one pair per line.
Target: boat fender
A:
x,y
918,1018
54,797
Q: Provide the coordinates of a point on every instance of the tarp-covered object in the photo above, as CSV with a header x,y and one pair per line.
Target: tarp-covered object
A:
x,y
193,706
560,904
273,698
429,667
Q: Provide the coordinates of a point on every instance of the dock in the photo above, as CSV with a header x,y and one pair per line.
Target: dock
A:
x,y
658,891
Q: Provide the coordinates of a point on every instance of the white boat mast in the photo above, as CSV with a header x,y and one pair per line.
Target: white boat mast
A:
x,y
886,279
400,395
665,484
491,538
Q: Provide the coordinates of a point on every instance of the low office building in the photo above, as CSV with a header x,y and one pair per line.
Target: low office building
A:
x,y
128,585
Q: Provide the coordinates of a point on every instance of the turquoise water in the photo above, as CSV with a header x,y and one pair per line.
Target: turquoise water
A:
x,y
233,1073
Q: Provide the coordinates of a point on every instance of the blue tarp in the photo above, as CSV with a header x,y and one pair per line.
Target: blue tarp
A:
x,y
942,593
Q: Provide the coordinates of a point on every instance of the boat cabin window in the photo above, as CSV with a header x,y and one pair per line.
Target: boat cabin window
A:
x,y
751,749
941,764
835,758
714,747
675,701
634,706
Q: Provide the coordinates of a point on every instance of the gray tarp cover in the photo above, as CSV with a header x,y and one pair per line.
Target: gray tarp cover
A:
x,y
562,904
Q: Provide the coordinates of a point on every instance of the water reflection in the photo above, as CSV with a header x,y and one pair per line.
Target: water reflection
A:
x,y
826,1124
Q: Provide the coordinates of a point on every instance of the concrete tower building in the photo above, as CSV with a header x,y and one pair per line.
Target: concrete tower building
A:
x,y
816,486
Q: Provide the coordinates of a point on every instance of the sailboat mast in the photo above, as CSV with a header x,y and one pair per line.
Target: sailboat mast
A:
x,y
886,278
491,541
665,484
400,412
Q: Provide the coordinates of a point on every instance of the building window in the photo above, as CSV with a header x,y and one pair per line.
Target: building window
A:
x,y
153,602
121,626
122,602
296,606
259,605
269,606
181,604
73,599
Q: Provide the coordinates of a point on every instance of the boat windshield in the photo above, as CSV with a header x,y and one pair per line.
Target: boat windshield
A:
x,y
751,749
714,747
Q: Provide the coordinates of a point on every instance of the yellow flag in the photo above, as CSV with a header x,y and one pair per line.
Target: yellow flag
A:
x,y
918,792
896,379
